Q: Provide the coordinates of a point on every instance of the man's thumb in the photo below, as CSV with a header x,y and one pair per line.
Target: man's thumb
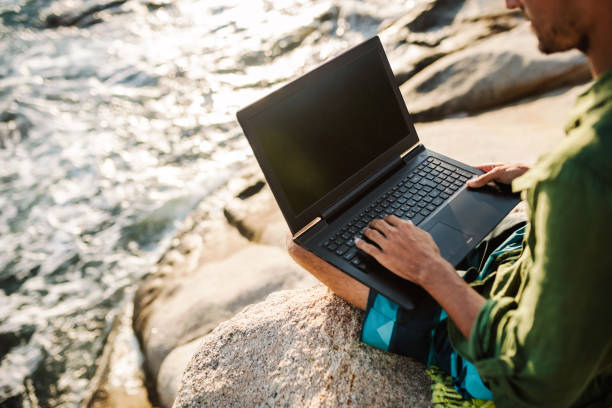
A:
x,y
479,181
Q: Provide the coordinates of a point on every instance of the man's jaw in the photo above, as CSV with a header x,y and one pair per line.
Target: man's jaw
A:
x,y
525,13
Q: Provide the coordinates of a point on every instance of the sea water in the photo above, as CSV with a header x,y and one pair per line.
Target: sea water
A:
x,y
116,119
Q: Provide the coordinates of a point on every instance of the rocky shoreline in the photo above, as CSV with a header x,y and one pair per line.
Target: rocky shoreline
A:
x,y
210,332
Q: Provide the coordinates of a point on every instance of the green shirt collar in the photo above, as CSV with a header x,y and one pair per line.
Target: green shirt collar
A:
x,y
599,93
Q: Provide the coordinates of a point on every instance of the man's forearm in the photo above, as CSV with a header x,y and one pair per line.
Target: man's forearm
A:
x,y
412,254
460,301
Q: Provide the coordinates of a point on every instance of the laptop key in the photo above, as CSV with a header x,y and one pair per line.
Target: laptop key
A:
x,y
417,219
351,253
429,183
448,166
340,251
355,261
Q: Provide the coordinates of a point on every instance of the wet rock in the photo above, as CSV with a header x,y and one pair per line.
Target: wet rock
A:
x,y
498,70
157,4
10,339
258,218
251,190
431,14
299,348
289,40
83,16
14,127
481,9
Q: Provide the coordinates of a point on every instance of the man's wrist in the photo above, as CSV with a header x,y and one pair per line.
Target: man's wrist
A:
x,y
437,274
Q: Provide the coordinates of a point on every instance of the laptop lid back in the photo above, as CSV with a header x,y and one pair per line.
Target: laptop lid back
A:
x,y
321,136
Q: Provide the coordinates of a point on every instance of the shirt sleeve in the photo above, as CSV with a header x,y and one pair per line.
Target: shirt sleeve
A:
x,y
543,347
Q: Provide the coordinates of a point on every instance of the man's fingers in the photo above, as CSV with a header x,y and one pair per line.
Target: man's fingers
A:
x,y
487,167
382,226
478,181
374,235
484,179
397,222
393,220
368,248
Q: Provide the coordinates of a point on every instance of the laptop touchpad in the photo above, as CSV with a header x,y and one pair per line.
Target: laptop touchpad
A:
x,y
450,240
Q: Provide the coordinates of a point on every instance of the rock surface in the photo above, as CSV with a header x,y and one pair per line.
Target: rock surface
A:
x,y
435,29
299,348
498,70
520,132
171,371
232,256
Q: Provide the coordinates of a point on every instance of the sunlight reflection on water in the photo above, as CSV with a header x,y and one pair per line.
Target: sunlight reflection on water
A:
x,y
111,131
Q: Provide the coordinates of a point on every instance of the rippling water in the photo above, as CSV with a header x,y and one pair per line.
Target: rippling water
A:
x,y
116,118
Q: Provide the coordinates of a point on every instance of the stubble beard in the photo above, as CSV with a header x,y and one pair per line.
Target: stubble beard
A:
x,y
563,35
553,44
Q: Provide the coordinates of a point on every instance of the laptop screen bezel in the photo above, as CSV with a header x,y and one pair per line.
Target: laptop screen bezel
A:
x,y
298,221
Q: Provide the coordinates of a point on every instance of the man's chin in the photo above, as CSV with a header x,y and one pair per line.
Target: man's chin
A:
x,y
545,50
552,48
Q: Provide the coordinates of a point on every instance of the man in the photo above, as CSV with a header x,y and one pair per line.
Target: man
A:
x,y
538,328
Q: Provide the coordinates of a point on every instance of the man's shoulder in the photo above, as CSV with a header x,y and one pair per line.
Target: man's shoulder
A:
x,y
582,157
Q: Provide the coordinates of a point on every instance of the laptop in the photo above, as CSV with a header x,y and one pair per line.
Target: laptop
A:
x,y
338,149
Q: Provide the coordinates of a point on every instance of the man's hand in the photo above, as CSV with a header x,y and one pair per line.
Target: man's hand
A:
x,y
503,173
411,253
404,249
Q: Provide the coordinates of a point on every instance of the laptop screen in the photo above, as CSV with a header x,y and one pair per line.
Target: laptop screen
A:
x,y
316,138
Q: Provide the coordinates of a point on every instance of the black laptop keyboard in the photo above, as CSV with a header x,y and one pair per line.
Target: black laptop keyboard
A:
x,y
415,197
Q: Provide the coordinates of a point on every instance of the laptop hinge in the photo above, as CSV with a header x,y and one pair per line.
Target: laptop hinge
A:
x,y
365,187
409,150
307,227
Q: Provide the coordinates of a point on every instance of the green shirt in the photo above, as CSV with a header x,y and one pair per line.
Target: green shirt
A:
x,y
544,336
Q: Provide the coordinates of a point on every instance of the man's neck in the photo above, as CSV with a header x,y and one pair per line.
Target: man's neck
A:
x,y
600,52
